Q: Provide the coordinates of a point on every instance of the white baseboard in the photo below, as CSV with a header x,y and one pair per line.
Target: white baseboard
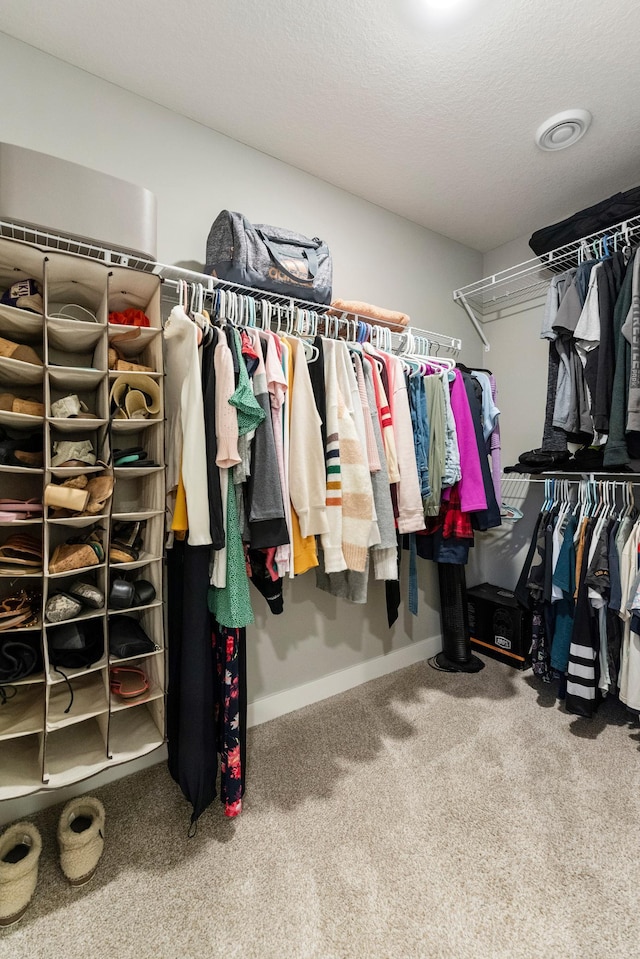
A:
x,y
278,704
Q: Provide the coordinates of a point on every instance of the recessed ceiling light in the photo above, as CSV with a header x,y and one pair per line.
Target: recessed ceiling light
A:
x,y
563,129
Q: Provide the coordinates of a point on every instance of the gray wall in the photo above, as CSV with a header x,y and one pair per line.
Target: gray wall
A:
x,y
518,359
53,107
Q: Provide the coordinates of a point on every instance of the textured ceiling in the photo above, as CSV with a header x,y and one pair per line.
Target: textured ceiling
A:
x,y
429,115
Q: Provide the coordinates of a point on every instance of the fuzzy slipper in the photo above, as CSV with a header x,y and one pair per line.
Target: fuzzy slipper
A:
x,y
20,848
81,839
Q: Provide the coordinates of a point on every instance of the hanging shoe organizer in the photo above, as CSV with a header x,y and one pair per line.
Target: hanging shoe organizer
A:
x,y
60,725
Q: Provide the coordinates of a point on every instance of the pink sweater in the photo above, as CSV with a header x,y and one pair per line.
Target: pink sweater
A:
x,y
472,495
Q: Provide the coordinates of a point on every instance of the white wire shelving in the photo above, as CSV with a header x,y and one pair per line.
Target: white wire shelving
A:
x,y
47,240
487,299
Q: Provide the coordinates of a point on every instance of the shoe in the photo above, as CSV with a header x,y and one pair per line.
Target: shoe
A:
x,y
18,351
81,839
18,404
20,848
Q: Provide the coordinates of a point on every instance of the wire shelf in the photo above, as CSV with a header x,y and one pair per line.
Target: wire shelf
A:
x,y
170,275
529,281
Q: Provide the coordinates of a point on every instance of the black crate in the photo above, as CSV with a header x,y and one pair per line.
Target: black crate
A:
x,y
499,626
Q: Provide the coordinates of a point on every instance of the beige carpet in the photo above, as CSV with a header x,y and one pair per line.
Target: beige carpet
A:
x,y
420,816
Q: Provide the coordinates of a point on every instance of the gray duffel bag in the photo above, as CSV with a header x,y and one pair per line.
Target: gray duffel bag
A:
x,y
269,258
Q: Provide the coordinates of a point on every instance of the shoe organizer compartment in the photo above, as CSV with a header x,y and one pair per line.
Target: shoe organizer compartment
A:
x,y
21,765
81,409
77,354
76,699
21,407
70,549
64,585
146,623
70,452
88,634
76,752
75,294
21,500
135,543
135,400
79,500
21,552
136,731
135,350
137,497
19,264
21,357
22,712
139,452
142,597
131,290
123,686
21,616
21,451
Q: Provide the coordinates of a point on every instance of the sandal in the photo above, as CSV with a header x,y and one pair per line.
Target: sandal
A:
x,y
21,449
19,611
17,404
24,295
18,351
20,550
117,359
66,498
126,542
133,457
77,553
128,682
20,509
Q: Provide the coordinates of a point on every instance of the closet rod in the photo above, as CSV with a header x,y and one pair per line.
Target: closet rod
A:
x,y
76,246
452,343
574,479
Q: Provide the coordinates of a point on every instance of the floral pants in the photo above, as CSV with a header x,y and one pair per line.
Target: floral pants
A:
x,y
228,644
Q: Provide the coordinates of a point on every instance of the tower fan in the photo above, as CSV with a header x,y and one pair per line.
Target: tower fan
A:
x,y
456,655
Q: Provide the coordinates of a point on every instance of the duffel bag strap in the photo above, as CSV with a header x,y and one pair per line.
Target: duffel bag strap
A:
x,y
309,254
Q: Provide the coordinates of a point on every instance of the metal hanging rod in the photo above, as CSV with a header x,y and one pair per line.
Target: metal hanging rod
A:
x,y
171,274
574,478
528,281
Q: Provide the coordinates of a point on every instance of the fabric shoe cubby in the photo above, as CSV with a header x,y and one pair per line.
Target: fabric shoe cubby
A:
x,y
57,430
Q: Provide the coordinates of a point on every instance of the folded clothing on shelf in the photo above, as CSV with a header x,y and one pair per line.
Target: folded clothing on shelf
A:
x,y
134,456
399,320
129,317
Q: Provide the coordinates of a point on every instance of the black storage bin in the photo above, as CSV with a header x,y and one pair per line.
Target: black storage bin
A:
x,y
499,626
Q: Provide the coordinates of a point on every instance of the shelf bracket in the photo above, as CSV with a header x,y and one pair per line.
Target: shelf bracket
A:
x,y
460,297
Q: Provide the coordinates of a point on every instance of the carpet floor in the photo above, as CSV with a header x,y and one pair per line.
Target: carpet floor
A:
x,y
420,816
